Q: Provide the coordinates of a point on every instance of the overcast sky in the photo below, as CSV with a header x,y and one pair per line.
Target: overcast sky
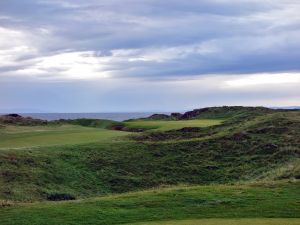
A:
x,y
148,55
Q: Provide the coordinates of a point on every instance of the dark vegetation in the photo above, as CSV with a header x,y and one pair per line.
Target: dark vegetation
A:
x,y
99,123
123,127
60,197
16,119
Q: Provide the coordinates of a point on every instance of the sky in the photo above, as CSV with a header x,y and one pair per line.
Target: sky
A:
x,y
148,55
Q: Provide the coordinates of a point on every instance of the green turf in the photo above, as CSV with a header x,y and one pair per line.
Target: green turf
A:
x,y
162,125
247,221
34,136
275,200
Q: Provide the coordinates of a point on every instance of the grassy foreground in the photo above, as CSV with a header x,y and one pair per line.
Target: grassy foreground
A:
x,y
261,221
277,200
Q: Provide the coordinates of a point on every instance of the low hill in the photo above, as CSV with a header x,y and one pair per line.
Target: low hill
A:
x,y
225,112
97,123
217,113
16,119
234,151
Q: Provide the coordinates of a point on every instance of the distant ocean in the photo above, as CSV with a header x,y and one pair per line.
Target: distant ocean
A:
x,y
109,116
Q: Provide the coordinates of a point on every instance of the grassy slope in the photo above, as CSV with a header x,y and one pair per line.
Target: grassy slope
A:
x,y
120,166
252,221
162,125
217,201
247,221
268,149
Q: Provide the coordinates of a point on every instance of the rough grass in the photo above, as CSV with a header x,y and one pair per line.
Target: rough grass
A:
x,y
161,125
35,136
284,171
275,200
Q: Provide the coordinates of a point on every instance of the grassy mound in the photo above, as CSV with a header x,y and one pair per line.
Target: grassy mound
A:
x,y
223,112
226,153
161,125
97,123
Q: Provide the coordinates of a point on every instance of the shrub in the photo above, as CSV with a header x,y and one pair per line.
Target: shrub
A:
x,y
60,197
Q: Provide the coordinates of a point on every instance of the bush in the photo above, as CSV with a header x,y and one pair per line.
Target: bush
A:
x,y
60,197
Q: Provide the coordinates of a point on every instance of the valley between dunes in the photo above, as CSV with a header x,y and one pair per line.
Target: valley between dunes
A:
x,y
219,165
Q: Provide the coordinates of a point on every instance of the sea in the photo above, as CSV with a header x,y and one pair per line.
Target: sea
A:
x,y
109,116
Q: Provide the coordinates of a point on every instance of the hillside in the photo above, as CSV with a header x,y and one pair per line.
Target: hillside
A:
x,y
79,159
223,112
224,153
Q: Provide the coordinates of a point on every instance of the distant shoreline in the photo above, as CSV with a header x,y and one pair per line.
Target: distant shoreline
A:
x,y
109,116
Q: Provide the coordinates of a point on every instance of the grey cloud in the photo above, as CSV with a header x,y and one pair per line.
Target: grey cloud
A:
x,y
239,29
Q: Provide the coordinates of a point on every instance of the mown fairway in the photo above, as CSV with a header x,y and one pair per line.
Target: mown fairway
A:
x,y
162,125
215,201
34,136
225,222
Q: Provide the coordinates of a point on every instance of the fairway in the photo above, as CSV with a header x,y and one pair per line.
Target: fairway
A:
x,y
208,204
263,221
162,125
26,136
